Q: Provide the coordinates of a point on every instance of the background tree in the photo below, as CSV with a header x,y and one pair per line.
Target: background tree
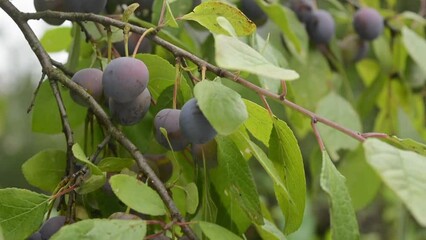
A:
x,y
199,120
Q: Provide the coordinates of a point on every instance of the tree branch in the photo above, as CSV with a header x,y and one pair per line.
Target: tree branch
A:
x,y
57,75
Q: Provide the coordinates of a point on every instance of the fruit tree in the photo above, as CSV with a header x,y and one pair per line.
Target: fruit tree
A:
x,y
233,119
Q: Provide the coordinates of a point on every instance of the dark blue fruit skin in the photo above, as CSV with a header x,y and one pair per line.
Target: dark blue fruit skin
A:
x,y
145,46
55,5
368,23
132,112
194,125
84,6
124,79
303,9
253,12
169,120
320,27
35,236
91,80
51,226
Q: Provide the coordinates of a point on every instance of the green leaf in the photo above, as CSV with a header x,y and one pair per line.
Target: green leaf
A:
x,y
213,98
237,178
362,181
343,219
270,231
234,54
191,197
169,19
416,47
96,179
266,163
1,234
213,231
161,74
45,169
45,114
105,229
115,164
21,212
285,153
129,11
368,70
81,156
258,116
403,172
207,12
409,144
338,110
56,39
137,195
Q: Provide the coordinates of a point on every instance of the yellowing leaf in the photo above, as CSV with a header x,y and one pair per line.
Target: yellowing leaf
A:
x,y
207,13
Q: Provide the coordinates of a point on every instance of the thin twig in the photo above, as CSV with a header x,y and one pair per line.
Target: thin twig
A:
x,y
317,134
185,66
265,102
62,67
100,147
35,93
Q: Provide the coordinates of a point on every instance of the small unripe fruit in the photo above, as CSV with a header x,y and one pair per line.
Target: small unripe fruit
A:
x,y
54,5
124,79
205,152
91,80
162,165
353,48
368,23
169,120
130,113
194,125
51,226
320,27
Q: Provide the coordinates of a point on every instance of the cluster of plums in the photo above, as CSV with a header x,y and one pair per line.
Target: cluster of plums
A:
x,y
185,126
124,84
367,23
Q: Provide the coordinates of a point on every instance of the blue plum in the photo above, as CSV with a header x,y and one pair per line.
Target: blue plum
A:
x,y
84,6
124,79
130,113
54,5
194,125
320,27
368,23
253,12
51,226
91,80
169,120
